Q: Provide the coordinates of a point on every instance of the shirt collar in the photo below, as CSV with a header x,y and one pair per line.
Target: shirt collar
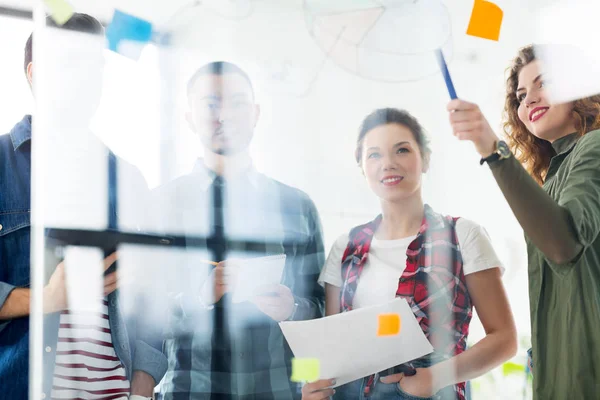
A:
x,y
207,176
21,132
565,143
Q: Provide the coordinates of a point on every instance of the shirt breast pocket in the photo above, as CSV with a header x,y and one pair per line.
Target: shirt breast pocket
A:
x,y
14,246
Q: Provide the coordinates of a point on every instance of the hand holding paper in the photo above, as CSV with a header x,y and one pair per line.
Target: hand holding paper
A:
x,y
73,284
319,390
275,301
245,279
256,274
348,347
222,279
419,384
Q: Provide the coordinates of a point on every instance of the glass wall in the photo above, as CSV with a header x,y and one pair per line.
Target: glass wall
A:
x,y
211,149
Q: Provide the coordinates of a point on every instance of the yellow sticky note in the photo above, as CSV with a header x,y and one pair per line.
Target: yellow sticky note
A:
x,y
305,369
486,20
60,11
389,324
512,368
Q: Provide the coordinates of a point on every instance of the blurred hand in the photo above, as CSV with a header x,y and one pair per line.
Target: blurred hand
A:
x,y
530,360
276,301
221,280
420,385
469,123
318,390
55,292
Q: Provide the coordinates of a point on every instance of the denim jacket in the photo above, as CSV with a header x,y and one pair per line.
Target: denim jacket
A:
x,y
15,210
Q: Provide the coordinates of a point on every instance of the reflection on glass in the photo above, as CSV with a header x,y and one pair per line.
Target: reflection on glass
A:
x,y
243,123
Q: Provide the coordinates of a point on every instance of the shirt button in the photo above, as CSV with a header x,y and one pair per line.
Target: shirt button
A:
x,y
43,395
0,227
123,346
48,349
402,279
241,355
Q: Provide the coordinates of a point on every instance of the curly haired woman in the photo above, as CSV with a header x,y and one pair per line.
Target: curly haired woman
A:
x,y
556,199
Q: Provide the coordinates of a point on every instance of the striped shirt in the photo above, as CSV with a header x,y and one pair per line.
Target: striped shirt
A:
x,y
87,366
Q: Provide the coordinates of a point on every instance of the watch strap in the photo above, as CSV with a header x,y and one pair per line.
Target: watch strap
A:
x,y
502,152
489,159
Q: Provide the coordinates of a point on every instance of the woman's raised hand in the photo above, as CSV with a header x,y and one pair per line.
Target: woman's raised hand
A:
x,y
469,123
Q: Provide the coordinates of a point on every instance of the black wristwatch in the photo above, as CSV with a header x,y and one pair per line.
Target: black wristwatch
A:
x,y
502,152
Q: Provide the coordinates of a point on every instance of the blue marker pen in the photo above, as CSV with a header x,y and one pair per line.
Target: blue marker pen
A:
x,y
446,73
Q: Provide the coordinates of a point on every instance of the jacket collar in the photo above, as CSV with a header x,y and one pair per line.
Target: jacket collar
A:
x,y
21,132
565,143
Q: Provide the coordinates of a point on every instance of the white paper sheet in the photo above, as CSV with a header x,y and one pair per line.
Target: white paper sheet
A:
x,y
255,273
571,61
83,274
347,344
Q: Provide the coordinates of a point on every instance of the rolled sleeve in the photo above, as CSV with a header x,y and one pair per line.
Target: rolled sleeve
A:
x,y
308,294
332,271
149,360
5,291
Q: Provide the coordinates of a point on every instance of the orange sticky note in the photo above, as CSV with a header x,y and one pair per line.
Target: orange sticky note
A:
x,y
486,20
389,324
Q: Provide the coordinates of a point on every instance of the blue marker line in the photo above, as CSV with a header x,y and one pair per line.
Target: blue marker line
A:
x,y
446,73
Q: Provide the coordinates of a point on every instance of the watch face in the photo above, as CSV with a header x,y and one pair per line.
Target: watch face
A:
x,y
503,149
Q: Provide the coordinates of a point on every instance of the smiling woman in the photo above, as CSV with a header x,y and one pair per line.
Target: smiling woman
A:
x,y
407,145
528,110
437,263
557,204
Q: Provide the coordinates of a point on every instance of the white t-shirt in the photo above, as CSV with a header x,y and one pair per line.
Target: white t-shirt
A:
x,y
387,260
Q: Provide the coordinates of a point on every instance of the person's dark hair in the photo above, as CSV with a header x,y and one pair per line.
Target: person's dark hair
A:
x,y
78,22
385,116
218,68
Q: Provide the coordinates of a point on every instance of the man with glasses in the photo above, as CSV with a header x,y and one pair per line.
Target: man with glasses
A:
x,y
218,349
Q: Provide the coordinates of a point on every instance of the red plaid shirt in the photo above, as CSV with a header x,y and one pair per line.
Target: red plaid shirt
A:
x,y
433,284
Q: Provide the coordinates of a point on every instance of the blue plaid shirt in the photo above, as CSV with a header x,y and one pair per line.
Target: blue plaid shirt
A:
x,y
258,358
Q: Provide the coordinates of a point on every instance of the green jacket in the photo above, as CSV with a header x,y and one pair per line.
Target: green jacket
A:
x,y
564,294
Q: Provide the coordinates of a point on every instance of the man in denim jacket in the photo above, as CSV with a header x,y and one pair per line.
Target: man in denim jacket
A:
x,y
142,364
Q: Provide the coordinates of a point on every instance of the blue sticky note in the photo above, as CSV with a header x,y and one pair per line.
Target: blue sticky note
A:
x,y
446,73
127,27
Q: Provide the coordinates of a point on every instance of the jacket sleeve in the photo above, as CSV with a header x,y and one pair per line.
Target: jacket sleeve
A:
x,y
560,229
306,268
